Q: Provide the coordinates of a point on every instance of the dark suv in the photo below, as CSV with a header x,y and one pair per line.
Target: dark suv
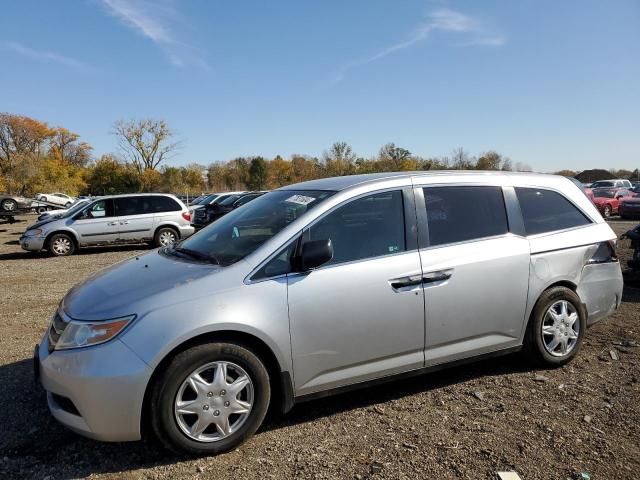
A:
x,y
212,212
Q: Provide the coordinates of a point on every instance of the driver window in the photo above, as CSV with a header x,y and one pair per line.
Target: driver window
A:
x,y
100,209
367,227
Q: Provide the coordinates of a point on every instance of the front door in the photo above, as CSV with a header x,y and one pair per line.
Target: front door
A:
x,y
475,273
360,316
97,223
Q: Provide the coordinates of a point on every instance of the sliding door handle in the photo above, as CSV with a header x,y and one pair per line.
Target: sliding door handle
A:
x,y
439,276
404,282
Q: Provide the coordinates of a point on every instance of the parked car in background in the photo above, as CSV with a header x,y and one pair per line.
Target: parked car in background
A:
x,y
197,200
157,218
607,200
326,285
635,187
615,183
12,203
56,198
214,198
224,204
629,206
77,205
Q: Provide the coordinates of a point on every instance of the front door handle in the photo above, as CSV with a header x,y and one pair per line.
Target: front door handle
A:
x,y
112,224
438,276
126,222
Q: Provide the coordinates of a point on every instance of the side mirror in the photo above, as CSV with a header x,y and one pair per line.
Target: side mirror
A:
x,y
316,253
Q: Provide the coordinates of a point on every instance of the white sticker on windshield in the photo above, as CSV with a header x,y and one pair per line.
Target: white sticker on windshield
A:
x,y
300,199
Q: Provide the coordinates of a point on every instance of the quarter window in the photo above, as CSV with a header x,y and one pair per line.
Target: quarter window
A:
x,y
459,214
368,227
162,204
547,211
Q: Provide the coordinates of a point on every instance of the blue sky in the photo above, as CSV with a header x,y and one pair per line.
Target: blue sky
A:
x,y
554,84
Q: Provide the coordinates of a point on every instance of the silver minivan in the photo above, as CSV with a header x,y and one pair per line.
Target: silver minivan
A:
x,y
150,217
323,286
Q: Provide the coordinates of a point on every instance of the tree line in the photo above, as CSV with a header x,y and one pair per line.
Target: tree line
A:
x,y
35,157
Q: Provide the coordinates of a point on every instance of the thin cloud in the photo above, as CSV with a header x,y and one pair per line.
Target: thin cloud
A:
x,y
442,20
156,21
46,56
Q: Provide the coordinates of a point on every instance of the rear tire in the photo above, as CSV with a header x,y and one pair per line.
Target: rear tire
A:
x,y
165,236
174,397
606,213
61,245
556,328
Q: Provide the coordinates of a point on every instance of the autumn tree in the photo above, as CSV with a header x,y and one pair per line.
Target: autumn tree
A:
x,y
490,160
339,159
23,143
146,143
111,175
565,173
67,147
280,172
258,173
391,157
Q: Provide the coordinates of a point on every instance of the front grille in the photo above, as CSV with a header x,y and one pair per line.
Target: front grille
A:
x,y
58,324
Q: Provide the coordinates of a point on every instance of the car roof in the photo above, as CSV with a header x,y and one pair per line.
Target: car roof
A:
x,y
349,181
121,195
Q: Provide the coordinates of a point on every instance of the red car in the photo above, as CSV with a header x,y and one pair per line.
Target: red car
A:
x,y
607,200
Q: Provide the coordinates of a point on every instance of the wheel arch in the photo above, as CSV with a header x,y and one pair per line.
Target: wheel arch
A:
x,y
558,283
282,397
167,225
66,232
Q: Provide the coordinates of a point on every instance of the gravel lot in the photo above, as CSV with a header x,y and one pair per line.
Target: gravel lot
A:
x,y
467,422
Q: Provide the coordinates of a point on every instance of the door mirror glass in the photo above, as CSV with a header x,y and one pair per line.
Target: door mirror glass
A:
x,y
316,253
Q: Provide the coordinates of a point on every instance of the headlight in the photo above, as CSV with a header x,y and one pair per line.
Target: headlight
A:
x,y
83,334
33,232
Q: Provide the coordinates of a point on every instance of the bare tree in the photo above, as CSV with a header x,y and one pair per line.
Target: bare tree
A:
x,y
145,142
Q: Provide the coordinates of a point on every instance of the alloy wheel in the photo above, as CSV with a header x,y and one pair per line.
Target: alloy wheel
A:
x,y
167,238
214,401
560,328
61,246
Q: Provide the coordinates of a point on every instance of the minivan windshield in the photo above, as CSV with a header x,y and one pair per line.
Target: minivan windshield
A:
x,y
242,231
79,205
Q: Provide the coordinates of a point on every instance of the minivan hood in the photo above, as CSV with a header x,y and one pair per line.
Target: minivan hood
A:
x,y
136,286
44,221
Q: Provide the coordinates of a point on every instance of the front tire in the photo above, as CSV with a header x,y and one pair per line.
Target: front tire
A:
x,y
210,399
556,328
61,245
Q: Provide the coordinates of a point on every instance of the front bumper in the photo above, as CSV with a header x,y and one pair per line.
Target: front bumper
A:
x,y
96,391
32,244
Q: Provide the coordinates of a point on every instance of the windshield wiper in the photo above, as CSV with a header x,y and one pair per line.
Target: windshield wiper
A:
x,y
197,255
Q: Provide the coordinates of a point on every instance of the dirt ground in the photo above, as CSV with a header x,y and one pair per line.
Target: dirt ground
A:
x,y
467,422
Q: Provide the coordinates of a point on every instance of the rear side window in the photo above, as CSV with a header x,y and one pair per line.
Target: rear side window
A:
x,y
130,205
163,204
367,227
547,211
459,214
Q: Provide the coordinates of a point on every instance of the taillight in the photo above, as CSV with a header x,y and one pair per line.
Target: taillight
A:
x,y
605,253
186,216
